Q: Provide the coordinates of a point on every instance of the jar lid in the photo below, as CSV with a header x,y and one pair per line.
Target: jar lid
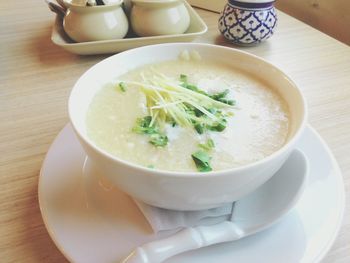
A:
x,y
255,1
252,4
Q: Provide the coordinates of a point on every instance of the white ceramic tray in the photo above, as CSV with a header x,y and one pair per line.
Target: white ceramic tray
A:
x,y
59,37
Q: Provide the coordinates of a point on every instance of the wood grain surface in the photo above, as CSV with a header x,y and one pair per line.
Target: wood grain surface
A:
x,y
331,17
36,78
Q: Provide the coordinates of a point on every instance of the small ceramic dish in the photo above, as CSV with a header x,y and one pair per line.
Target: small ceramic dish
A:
x,y
94,23
59,37
248,22
155,17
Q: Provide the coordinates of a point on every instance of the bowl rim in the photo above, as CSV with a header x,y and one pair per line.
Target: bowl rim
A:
x,y
93,8
192,174
156,2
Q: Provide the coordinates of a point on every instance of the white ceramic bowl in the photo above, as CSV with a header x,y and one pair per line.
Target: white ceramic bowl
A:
x,y
184,190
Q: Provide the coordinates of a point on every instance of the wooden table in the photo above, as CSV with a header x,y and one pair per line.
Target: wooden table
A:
x,y
36,77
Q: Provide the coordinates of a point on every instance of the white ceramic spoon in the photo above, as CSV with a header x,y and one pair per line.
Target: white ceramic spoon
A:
x,y
253,213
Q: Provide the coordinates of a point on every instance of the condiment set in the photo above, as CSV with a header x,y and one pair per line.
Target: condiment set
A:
x,y
242,22
91,20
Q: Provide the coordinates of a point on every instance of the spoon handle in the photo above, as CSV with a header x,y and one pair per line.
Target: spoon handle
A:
x,y
185,240
59,10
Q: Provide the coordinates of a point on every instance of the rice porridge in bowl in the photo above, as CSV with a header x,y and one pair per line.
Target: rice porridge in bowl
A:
x,y
182,103
186,126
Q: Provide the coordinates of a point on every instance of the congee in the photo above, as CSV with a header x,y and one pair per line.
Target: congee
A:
x,y
188,115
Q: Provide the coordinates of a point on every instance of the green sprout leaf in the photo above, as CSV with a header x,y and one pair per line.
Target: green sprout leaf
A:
x,y
228,102
219,126
158,140
202,159
220,95
185,84
199,128
183,78
122,86
143,126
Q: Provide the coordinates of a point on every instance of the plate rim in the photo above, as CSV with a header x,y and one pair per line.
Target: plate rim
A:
x,y
341,195
323,252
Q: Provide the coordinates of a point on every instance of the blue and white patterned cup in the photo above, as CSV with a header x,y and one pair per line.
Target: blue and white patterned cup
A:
x,y
248,22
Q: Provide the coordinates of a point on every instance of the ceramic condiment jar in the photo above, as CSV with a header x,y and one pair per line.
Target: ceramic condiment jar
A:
x,y
159,17
248,22
93,23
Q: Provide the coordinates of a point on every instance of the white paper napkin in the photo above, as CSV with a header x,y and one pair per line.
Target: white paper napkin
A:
x,y
164,219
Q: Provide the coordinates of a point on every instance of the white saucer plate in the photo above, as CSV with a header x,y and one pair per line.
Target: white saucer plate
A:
x,y
90,221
